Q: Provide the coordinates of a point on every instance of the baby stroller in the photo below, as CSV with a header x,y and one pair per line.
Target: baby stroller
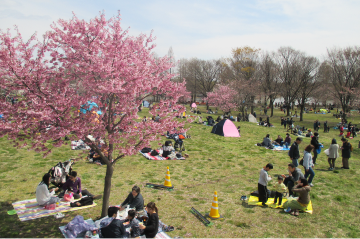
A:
x,y
59,173
179,143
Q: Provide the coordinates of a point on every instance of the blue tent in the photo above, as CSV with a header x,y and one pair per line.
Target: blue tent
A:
x,y
146,104
88,107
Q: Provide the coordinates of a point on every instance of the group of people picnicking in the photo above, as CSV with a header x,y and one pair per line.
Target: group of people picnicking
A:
x,y
297,182
110,227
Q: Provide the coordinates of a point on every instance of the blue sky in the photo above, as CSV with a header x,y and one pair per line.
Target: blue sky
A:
x,y
207,29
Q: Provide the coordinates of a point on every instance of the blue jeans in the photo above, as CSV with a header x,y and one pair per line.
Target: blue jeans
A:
x,y
295,162
311,173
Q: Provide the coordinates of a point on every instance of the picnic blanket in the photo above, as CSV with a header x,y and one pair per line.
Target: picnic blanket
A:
x,y
79,145
277,148
253,200
158,157
80,235
30,209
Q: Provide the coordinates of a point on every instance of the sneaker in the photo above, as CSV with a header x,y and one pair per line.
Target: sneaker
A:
x,y
264,204
311,185
97,197
287,210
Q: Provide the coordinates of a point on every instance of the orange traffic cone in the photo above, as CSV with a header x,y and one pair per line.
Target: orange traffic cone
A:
x,y
167,178
214,211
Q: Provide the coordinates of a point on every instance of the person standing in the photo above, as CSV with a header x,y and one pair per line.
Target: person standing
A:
x,y
264,178
315,142
333,154
308,164
326,127
294,151
345,153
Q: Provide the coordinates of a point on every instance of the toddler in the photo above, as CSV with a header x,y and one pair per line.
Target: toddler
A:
x,y
279,188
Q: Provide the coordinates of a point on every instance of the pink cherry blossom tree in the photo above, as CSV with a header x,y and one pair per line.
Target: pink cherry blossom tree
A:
x,y
79,61
223,97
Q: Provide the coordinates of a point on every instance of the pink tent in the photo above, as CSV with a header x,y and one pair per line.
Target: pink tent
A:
x,y
193,105
226,128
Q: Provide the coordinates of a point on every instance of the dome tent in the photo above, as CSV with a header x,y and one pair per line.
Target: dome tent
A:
x,y
225,128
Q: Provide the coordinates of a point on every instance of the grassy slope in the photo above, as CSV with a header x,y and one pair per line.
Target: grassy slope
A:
x,y
232,171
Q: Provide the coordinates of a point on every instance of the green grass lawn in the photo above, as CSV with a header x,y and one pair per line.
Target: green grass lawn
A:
x,y
229,166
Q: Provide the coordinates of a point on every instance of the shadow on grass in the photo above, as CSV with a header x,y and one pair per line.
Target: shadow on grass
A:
x,y
246,205
41,227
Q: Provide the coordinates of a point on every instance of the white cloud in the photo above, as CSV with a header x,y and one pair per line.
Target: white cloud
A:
x,y
207,29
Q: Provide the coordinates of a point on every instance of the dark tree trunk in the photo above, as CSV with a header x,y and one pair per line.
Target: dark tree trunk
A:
x,y
302,106
287,109
107,189
252,98
271,106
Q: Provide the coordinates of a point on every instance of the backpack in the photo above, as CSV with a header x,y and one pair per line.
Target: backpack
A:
x,y
351,147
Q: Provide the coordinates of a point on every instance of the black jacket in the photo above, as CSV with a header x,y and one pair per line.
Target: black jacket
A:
x,y
137,202
315,142
294,151
115,229
346,152
152,226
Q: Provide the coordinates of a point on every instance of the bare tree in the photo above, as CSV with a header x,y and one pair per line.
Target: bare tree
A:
x,y
307,79
201,76
288,61
345,74
243,66
268,77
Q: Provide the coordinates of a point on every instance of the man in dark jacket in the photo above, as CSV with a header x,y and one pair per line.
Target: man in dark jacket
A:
x,y
112,227
345,153
314,141
294,175
294,151
134,200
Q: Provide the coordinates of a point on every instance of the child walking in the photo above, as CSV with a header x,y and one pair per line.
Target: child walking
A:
x,y
280,188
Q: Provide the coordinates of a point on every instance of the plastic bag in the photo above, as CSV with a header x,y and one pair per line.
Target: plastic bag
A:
x,y
327,152
68,196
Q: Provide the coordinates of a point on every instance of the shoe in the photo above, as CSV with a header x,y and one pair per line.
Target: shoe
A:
x,y
97,197
342,167
287,210
346,168
296,213
292,212
264,204
311,185
330,168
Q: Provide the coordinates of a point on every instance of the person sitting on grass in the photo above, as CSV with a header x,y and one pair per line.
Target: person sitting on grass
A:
x,y
97,156
279,141
111,227
134,200
132,223
309,133
264,178
43,195
73,184
294,175
303,189
152,224
267,141
280,188
287,140
167,148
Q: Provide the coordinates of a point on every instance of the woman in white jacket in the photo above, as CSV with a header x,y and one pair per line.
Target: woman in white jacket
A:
x,y
43,195
309,164
333,154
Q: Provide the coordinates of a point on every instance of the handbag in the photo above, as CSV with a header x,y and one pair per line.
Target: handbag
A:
x,y
301,162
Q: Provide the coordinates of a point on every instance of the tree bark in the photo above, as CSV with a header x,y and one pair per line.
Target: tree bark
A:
x,y
301,111
107,189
